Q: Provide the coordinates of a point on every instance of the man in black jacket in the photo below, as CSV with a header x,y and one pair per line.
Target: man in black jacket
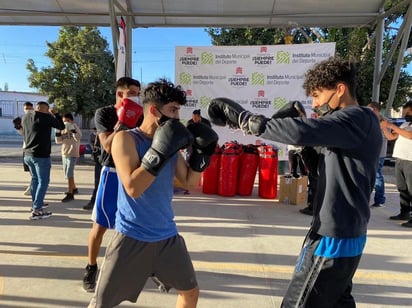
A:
x,y
351,140
37,148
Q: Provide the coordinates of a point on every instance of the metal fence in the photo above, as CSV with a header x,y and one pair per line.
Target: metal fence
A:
x,y
12,108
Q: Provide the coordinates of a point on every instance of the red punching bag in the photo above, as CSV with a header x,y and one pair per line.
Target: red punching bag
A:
x,y
229,165
249,160
211,173
268,171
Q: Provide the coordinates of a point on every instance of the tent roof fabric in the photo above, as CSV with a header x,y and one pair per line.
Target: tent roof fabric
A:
x,y
194,13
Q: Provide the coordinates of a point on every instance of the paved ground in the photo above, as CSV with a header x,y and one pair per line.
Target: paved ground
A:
x,y
243,248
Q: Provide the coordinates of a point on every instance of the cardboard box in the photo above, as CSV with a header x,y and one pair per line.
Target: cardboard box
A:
x,y
293,190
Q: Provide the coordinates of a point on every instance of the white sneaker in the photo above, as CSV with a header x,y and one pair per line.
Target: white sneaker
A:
x,y
27,192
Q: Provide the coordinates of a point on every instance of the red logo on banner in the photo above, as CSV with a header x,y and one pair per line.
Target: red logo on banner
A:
x,y
189,92
263,49
239,70
189,50
261,93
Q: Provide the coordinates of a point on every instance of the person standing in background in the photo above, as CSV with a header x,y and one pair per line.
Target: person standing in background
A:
x,y
296,161
310,156
27,107
69,138
402,151
37,139
379,198
197,118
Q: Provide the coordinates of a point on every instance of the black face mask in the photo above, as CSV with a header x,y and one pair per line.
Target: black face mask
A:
x,y
408,118
324,109
163,118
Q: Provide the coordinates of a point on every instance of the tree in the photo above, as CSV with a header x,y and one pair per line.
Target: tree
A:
x,y
357,44
81,77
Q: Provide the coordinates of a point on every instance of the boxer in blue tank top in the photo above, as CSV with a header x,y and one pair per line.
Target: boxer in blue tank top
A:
x,y
146,241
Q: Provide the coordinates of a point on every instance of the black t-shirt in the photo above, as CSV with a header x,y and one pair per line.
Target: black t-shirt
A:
x,y
37,132
105,119
203,120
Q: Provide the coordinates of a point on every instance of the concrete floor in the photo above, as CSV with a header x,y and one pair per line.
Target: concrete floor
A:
x,y
243,248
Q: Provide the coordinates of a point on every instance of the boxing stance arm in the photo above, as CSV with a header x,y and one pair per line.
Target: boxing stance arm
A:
x,y
134,178
223,111
137,174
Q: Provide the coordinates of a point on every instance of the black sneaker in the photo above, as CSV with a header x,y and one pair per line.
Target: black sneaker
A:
x,y
378,205
75,191
69,197
407,224
39,214
88,206
89,278
306,211
401,216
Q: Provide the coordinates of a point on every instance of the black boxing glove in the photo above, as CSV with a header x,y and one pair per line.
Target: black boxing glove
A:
x,y
223,111
292,109
253,124
170,137
17,123
204,144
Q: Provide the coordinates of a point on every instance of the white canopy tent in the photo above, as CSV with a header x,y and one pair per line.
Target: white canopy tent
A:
x,y
215,13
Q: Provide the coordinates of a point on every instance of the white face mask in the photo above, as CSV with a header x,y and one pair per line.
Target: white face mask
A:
x,y
135,99
26,111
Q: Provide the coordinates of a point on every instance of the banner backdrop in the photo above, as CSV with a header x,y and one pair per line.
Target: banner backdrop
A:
x,y
260,78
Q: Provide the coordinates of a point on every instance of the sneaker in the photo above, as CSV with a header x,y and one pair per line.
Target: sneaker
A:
x,y
306,211
407,224
27,192
39,214
69,197
88,206
401,216
89,278
75,191
378,205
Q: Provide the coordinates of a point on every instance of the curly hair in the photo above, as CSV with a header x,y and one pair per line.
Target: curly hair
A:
x,y
328,73
162,92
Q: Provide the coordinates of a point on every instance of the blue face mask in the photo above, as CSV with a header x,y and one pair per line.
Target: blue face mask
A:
x,y
324,109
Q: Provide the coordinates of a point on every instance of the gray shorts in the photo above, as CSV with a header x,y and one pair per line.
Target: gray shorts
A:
x,y
68,166
128,264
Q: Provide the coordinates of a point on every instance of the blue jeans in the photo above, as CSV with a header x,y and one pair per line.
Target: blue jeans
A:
x,y
380,183
40,178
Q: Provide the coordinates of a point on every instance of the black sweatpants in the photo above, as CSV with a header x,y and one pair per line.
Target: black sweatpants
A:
x,y
320,282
